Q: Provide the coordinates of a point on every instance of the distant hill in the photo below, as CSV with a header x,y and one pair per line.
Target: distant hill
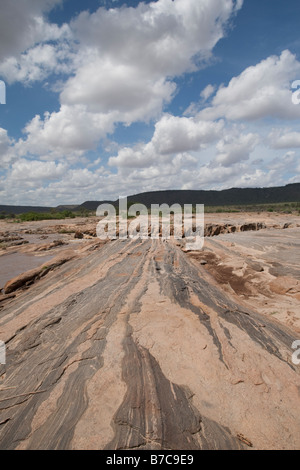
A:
x,y
66,207
92,205
227,197
22,209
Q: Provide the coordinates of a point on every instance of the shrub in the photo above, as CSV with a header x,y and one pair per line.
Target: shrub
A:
x,y
35,216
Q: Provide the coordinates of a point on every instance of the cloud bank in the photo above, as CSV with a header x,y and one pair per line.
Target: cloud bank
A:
x,y
120,67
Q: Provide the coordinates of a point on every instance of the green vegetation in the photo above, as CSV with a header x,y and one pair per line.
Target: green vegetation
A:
x,y
52,215
3,216
282,207
84,213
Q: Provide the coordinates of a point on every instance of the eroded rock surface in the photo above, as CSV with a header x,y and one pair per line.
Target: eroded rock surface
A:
x,y
139,345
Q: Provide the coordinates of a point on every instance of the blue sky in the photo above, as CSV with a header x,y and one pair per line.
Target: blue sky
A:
x,y
107,98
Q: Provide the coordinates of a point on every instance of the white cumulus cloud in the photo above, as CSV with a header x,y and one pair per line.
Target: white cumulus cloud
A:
x,y
284,139
24,31
172,136
262,90
122,71
233,149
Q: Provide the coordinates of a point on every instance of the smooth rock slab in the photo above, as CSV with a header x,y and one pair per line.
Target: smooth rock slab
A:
x,y
132,345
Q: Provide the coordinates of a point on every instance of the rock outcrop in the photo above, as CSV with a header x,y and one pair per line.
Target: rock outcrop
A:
x,y
29,277
212,230
134,345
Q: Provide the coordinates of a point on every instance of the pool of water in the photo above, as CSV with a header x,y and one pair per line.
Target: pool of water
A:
x,y
13,264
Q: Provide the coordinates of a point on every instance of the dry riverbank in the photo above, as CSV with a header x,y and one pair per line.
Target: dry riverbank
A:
x,y
138,344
